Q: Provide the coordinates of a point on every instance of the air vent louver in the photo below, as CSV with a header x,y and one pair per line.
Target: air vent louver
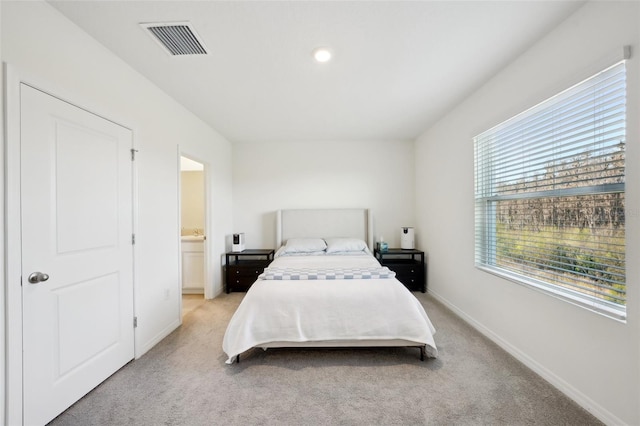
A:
x,y
177,38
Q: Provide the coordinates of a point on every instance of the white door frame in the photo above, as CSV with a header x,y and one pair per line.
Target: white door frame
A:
x,y
208,228
13,291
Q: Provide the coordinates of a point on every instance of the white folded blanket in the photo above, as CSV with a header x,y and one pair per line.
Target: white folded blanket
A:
x,y
274,273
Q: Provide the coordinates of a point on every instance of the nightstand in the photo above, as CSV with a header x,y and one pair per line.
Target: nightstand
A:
x,y
408,264
243,267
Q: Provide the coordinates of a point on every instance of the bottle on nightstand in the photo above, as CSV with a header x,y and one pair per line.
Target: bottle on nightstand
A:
x,y
382,246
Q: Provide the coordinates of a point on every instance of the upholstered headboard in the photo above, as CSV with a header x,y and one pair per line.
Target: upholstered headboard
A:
x,y
324,223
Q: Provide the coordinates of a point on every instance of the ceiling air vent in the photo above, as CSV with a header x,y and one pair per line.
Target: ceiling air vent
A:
x,y
178,38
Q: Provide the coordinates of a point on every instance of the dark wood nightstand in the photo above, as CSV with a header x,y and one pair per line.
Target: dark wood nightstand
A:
x,y
243,267
408,264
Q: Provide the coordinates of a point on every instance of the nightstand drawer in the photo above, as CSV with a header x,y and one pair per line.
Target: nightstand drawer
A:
x,y
245,271
240,278
412,282
241,283
406,270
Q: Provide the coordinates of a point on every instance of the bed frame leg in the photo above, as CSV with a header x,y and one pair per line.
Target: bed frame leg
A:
x,y
238,358
423,350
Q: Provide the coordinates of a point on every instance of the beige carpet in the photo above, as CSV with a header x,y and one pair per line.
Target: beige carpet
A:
x,y
184,381
191,302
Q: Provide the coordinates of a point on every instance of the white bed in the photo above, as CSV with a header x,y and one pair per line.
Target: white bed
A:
x,y
334,296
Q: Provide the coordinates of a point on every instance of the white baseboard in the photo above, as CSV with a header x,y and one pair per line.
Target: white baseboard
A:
x,y
193,290
584,401
156,339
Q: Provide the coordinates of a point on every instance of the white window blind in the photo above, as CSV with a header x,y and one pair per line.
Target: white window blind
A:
x,y
550,195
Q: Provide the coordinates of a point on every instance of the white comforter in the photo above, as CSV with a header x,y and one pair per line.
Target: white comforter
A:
x,y
340,310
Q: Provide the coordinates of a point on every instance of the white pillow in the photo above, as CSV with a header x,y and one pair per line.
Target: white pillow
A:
x,y
304,245
281,252
344,245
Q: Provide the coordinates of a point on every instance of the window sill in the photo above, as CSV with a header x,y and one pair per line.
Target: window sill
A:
x,y
608,310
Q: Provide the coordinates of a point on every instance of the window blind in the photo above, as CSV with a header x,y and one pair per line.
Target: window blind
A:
x,y
550,194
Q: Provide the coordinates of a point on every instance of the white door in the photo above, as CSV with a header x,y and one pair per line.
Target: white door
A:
x,y
76,202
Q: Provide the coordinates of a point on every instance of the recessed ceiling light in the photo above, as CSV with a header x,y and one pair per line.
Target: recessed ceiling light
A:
x,y
322,54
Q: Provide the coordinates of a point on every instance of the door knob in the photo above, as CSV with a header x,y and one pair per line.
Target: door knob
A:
x,y
37,277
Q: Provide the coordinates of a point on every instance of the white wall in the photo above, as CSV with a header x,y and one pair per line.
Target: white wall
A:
x,y
192,204
593,359
48,50
375,175
2,238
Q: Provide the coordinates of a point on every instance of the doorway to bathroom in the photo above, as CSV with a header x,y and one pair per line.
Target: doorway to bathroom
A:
x,y
192,233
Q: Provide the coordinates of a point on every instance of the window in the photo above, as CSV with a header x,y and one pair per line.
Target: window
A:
x,y
550,195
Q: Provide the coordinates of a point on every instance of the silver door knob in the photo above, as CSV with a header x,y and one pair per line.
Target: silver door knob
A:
x,y
37,277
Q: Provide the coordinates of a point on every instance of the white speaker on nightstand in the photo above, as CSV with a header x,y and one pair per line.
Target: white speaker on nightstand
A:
x,y
238,242
407,239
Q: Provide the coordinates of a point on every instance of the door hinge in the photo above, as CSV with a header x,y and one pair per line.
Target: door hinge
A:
x,y
133,154
135,322
133,239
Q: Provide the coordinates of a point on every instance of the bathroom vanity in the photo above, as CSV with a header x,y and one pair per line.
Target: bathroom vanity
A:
x,y
192,248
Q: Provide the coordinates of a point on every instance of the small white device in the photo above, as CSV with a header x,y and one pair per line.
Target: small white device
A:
x,y
238,242
407,238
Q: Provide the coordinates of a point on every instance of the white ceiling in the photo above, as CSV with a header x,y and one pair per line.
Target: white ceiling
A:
x,y
398,66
